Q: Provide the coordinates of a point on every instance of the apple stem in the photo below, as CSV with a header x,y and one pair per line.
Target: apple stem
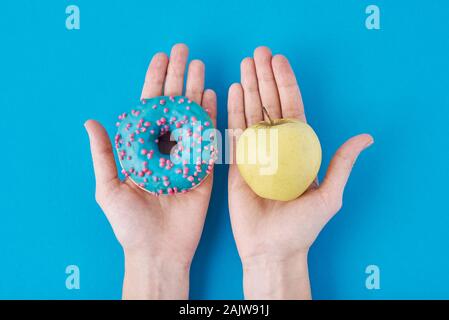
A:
x,y
265,111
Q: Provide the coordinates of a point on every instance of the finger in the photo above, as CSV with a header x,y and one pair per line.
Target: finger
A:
x,y
253,105
102,156
236,116
209,102
267,85
290,96
174,81
340,168
195,81
155,76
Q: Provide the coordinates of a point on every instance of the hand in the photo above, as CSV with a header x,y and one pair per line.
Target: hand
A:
x,y
159,235
273,237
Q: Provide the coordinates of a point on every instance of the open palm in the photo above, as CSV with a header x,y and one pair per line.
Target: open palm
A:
x,y
268,231
168,226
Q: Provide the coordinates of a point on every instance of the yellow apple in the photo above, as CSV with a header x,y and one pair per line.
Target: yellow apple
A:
x,y
279,159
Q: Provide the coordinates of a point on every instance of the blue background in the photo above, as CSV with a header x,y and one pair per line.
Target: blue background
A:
x,y
392,83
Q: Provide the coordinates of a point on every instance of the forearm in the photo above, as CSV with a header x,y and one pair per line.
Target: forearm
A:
x,y
276,279
150,278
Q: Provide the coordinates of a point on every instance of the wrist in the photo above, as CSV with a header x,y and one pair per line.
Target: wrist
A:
x,y
275,277
149,277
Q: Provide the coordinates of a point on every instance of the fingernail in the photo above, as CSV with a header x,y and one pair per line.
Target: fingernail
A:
x,y
369,143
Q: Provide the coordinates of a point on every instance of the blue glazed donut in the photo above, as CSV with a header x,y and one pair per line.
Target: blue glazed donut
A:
x,y
190,160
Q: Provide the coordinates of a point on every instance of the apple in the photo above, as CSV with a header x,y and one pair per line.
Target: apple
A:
x,y
279,159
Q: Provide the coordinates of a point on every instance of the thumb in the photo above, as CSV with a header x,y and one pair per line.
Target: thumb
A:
x,y
102,156
340,168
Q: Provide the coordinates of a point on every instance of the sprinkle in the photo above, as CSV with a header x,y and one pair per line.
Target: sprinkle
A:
x,y
144,152
141,140
162,102
190,178
165,110
147,124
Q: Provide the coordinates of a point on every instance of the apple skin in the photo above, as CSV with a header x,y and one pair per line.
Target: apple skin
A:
x,y
298,160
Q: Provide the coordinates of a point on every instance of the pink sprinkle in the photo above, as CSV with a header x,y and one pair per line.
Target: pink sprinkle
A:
x,y
165,178
144,152
178,125
155,179
147,124
149,173
207,123
154,106
166,183
170,191
141,140
144,101
193,119
162,102
181,100
165,110
140,174
188,108
190,178
142,185
145,180
145,163
129,158
178,171
151,131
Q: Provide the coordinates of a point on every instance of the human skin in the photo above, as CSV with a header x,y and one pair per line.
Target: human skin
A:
x,y
273,238
159,235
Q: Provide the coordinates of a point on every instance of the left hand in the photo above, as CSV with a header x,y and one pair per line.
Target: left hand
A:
x,y
159,235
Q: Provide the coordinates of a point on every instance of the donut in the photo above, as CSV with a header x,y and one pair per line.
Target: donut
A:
x,y
137,144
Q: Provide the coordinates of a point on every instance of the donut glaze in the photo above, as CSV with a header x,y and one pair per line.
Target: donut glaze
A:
x,y
191,159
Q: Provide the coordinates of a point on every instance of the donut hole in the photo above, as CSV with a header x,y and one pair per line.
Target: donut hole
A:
x,y
165,144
